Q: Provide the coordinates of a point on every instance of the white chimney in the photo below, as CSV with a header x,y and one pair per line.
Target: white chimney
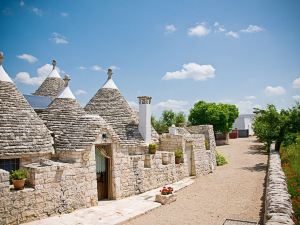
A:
x,y
173,130
145,117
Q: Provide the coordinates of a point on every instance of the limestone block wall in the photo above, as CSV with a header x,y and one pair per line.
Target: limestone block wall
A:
x,y
54,188
208,132
140,173
169,142
278,207
203,160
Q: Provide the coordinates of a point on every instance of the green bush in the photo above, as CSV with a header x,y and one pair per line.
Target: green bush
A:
x,y
19,174
206,144
220,159
290,159
152,148
179,153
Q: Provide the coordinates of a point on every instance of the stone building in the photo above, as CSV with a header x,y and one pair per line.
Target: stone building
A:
x,y
24,137
52,85
62,111
57,182
99,152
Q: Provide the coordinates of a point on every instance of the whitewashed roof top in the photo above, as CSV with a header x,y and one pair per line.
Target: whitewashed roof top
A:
x,y
110,84
54,73
4,76
66,93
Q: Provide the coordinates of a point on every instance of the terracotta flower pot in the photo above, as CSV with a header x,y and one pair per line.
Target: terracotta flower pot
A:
x,y
177,160
19,184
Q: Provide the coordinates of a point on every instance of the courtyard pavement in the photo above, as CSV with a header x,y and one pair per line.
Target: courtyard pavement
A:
x,y
114,211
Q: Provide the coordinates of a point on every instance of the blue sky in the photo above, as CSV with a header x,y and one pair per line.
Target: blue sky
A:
x,y
240,52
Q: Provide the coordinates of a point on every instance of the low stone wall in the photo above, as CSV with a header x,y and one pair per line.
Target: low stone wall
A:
x,y
141,173
208,131
53,188
278,207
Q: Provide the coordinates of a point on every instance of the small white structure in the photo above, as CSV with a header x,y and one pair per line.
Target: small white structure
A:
x,y
145,117
244,122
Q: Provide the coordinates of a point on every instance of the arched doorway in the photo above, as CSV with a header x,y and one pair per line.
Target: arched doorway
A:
x,y
103,171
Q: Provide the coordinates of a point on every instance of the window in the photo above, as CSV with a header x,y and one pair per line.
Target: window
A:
x,y
9,164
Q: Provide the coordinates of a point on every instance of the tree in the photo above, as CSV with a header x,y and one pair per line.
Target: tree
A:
x,y
221,116
282,127
167,119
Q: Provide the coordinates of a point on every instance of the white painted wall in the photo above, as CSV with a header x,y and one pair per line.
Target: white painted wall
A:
x,y
145,121
244,122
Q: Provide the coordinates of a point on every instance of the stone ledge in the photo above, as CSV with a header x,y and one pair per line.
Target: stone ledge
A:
x,y
278,206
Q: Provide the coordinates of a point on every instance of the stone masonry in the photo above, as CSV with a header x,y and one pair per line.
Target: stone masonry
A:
x,y
278,206
53,188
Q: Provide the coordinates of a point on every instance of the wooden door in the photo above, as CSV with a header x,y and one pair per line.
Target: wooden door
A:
x,y
102,171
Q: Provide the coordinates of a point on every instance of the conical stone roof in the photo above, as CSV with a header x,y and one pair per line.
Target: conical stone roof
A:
x,y
109,103
21,130
52,85
62,111
84,132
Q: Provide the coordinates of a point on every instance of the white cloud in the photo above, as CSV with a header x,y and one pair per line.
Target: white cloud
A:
x,y
28,58
192,71
170,28
42,73
96,68
246,107
171,104
250,97
296,97
82,67
37,11
232,34
80,92
64,14
252,29
22,3
270,91
199,30
58,38
113,67
296,83
219,28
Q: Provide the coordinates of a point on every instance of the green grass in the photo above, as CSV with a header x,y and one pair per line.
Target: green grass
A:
x,y
221,160
290,159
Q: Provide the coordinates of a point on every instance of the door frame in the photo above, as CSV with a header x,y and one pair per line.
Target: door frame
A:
x,y
108,156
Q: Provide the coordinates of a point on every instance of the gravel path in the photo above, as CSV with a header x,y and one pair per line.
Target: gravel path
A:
x,y
233,191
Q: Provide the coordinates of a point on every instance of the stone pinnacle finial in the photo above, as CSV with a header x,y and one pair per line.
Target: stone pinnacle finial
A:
x,y
67,80
109,73
53,63
1,58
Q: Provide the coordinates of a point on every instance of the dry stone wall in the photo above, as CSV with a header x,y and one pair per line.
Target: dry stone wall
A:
x,y
278,207
54,188
139,173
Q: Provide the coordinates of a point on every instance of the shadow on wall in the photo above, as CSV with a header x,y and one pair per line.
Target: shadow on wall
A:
x,y
257,149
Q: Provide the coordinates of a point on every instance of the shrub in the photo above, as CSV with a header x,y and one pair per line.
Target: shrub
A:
x,y
19,174
152,148
206,144
221,160
179,153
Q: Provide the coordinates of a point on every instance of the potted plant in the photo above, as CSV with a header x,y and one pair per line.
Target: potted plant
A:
x,y
152,148
166,196
178,156
18,178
